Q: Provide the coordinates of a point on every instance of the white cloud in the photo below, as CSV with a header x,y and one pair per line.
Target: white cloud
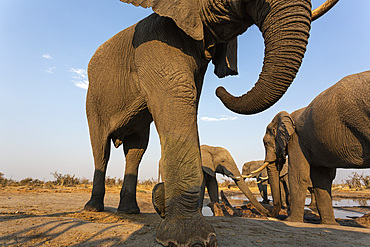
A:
x,y
222,118
80,78
47,56
51,70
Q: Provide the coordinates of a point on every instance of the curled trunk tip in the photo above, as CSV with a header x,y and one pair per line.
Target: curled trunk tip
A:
x,y
285,31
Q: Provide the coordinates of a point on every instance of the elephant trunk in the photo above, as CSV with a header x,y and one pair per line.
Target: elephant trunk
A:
x,y
244,188
275,188
285,30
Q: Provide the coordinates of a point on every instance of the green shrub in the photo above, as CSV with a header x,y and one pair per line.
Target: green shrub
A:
x,y
30,182
65,180
3,181
110,181
148,183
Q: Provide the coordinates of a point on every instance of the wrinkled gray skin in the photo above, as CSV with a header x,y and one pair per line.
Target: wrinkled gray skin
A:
x,y
219,160
261,177
154,70
333,131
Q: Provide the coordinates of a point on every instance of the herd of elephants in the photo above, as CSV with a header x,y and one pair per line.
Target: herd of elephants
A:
x,y
154,71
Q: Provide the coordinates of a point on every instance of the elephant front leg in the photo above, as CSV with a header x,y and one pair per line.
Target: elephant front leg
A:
x,y
183,223
262,187
322,178
212,188
298,176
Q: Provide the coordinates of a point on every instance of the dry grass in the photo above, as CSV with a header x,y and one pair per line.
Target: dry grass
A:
x,y
354,182
68,180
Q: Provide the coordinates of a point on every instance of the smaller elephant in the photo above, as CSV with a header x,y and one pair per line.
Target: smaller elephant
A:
x,y
219,160
249,171
261,177
214,160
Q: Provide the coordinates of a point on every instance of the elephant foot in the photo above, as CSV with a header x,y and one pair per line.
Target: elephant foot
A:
x,y
127,207
94,205
265,201
127,203
158,199
329,222
192,231
294,219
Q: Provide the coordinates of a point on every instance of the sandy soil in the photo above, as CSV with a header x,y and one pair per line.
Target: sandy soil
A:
x,y
55,217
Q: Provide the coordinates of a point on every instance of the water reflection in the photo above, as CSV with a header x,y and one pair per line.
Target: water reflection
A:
x,y
206,211
351,202
338,204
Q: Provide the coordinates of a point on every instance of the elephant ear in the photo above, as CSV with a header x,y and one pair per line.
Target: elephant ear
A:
x,y
225,59
207,163
185,13
285,129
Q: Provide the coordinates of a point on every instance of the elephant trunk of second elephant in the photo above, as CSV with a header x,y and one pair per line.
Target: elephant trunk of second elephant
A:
x,y
275,188
244,188
285,30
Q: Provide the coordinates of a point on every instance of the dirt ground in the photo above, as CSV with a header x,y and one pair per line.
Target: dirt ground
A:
x,y
55,217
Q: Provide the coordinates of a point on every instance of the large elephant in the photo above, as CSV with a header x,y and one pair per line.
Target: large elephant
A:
x,y
333,131
154,70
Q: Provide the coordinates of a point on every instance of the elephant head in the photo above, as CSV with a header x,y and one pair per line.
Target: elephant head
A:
x,y
276,139
285,25
218,160
250,167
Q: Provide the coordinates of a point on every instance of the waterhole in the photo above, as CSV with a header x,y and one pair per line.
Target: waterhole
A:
x,y
343,208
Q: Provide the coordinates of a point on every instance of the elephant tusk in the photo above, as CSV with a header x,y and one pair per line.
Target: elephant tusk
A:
x,y
322,9
261,168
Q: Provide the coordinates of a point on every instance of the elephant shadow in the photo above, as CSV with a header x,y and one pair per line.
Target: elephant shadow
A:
x,y
266,232
44,228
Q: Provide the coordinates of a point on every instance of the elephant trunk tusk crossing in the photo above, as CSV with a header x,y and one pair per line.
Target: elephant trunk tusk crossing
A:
x,y
261,168
322,9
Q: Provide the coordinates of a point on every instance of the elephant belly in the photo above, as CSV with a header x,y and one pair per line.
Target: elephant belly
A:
x,y
330,145
335,127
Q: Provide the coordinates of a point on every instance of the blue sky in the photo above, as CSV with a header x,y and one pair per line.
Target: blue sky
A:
x,y
45,47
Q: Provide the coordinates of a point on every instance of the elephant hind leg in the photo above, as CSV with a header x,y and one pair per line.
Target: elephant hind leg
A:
x,y
100,143
322,178
134,147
